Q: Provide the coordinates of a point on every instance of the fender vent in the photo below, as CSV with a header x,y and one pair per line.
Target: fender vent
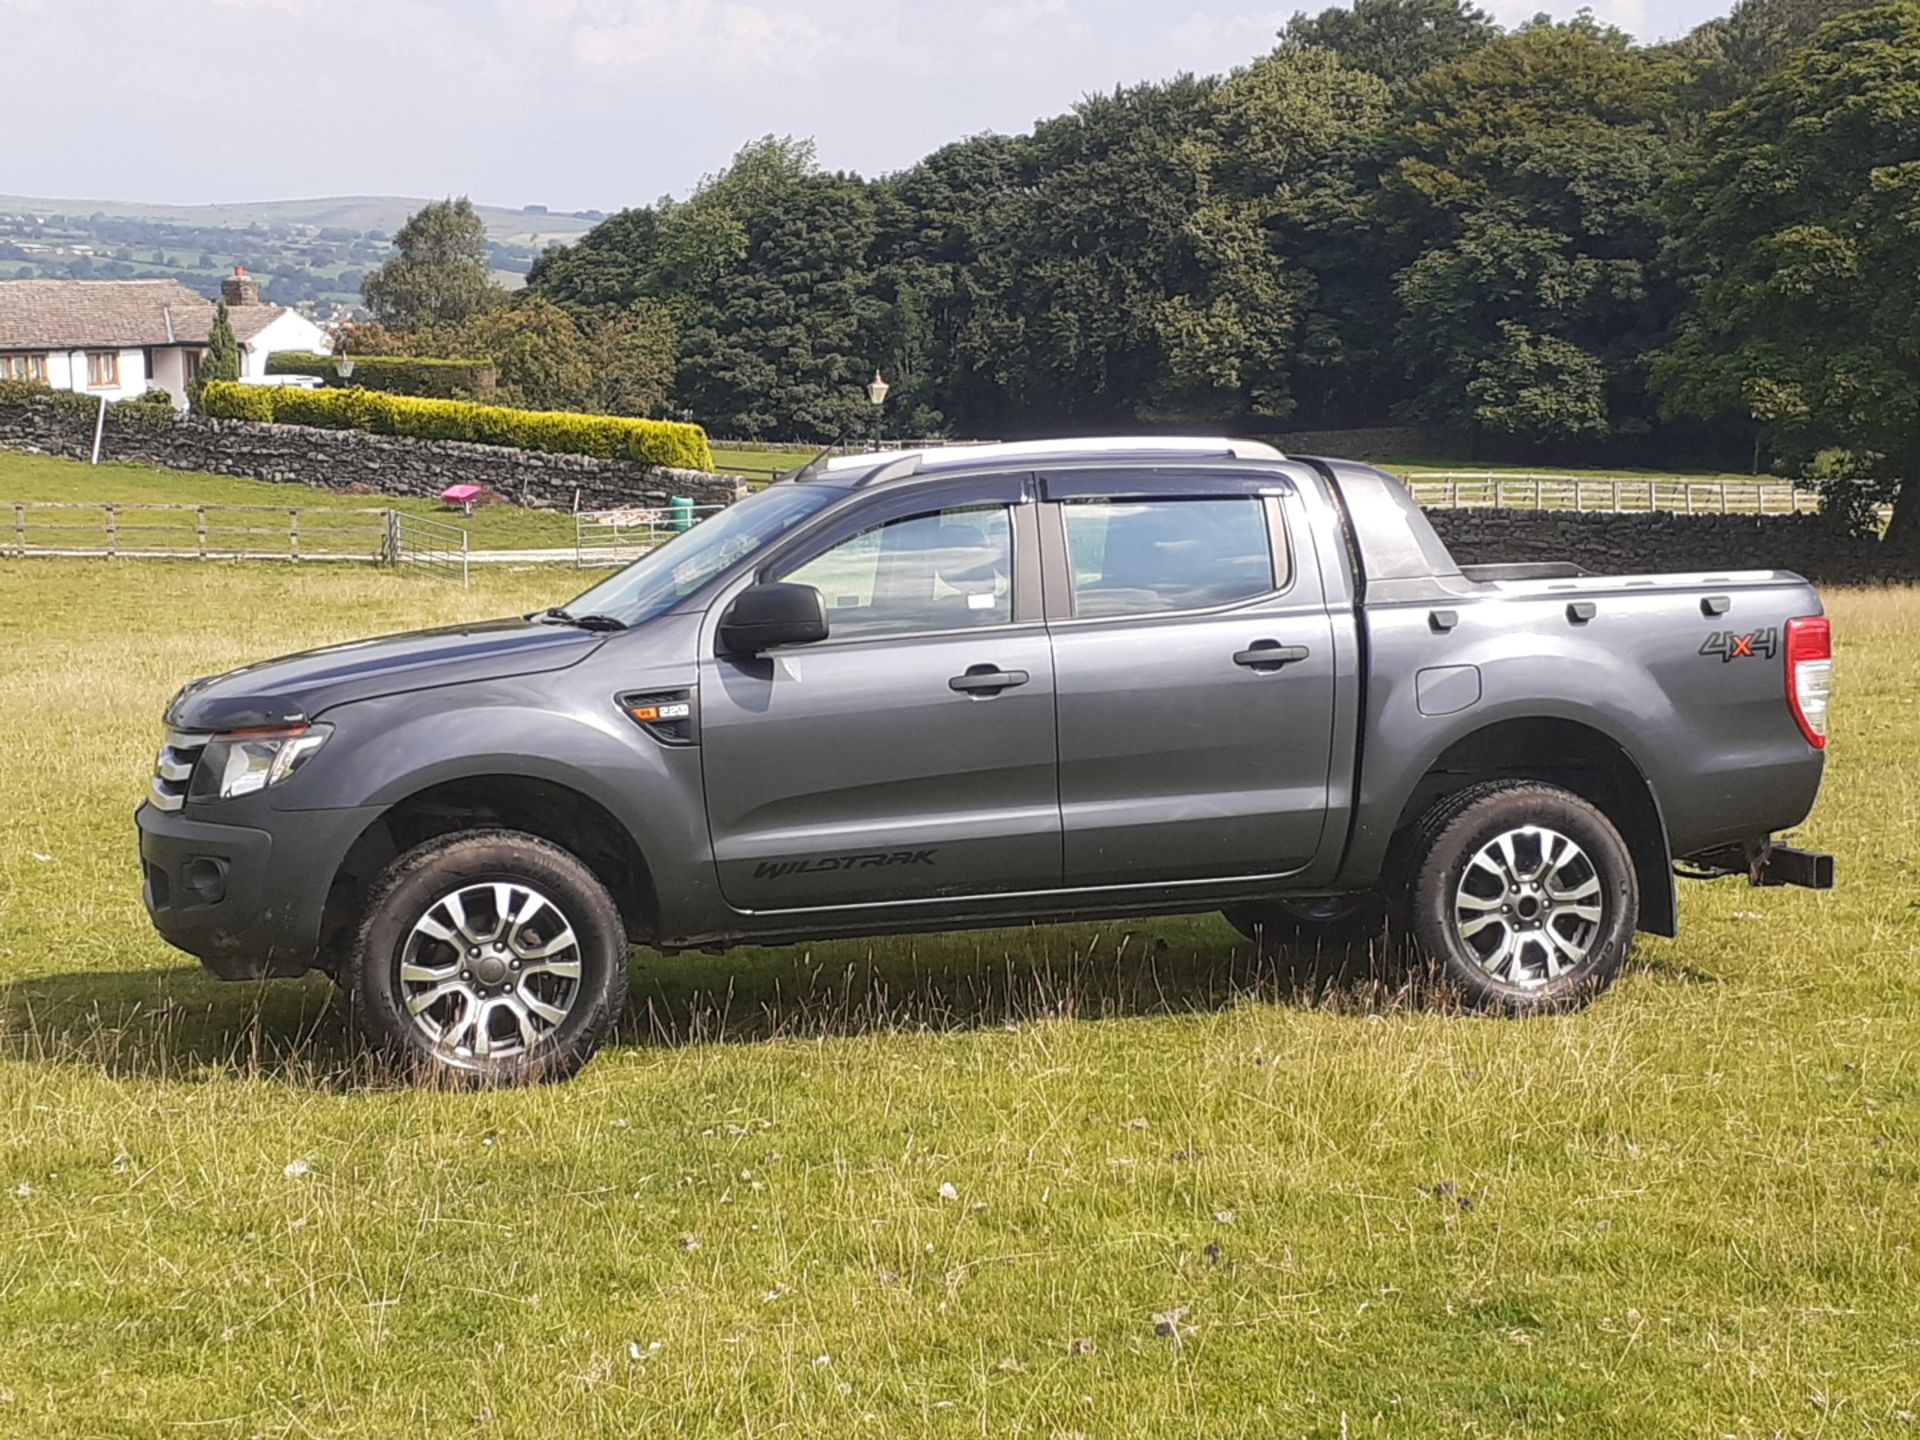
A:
x,y
667,715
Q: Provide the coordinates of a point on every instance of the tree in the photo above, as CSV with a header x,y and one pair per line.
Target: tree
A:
x,y
1397,40
1524,196
764,276
1800,221
541,354
439,275
221,359
1746,47
777,344
631,358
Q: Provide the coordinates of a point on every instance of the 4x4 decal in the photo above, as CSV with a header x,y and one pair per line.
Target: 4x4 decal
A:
x,y
1729,646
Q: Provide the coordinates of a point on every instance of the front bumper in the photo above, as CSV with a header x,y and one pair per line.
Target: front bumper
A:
x,y
245,901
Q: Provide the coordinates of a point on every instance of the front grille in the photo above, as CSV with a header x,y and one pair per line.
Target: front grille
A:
x,y
173,769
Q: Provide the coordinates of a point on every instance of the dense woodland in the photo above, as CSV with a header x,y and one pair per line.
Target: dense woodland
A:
x,y
1546,242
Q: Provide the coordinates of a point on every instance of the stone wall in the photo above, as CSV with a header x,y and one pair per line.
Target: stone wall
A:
x,y
349,460
1640,544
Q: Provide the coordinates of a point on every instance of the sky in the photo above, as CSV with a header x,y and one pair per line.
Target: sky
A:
x,y
578,104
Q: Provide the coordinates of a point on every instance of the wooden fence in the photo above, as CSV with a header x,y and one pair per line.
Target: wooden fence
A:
x,y
138,531
1626,494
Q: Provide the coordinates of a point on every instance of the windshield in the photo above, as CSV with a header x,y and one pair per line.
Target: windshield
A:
x,y
661,578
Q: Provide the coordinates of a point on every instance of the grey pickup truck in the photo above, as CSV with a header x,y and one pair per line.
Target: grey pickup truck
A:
x,y
992,685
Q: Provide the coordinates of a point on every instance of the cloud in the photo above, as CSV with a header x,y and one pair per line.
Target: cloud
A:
x,y
695,34
1014,18
1199,41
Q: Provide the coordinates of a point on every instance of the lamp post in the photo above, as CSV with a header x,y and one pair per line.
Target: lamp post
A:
x,y
877,394
343,368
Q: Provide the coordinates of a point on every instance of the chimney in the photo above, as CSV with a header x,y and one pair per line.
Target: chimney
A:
x,y
240,289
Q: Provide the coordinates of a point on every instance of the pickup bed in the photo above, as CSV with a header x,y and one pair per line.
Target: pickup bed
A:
x,y
932,690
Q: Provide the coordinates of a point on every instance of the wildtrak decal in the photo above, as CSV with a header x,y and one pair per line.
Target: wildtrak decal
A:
x,y
865,860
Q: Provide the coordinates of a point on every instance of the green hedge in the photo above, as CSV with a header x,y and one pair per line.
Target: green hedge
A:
x,y
141,407
395,374
651,442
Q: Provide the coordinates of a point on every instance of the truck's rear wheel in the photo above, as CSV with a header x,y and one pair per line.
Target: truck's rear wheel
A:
x,y
491,957
1522,896
1331,920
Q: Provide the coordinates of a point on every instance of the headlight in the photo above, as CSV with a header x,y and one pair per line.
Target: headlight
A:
x,y
248,760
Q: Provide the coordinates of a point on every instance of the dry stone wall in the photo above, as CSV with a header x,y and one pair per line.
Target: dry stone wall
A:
x,y
350,460
1643,543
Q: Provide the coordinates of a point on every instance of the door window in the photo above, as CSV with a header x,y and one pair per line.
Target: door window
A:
x,y
1148,557
951,570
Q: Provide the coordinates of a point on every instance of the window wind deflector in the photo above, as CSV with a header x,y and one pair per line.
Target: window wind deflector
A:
x,y
1163,482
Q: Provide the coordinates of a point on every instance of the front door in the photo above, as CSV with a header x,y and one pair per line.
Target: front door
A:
x,y
911,754
1194,666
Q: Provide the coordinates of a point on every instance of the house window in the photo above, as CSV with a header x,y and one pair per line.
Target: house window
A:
x,y
193,365
24,367
103,369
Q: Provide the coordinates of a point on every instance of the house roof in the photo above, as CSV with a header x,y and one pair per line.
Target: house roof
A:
x,y
57,314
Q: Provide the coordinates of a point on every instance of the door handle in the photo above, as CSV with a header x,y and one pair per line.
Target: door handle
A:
x,y
986,680
1269,655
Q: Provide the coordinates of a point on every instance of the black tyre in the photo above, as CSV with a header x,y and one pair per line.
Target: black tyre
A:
x,y
1520,897
1336,921
489,958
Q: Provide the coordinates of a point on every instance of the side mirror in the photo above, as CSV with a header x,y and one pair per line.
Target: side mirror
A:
x,y
764,616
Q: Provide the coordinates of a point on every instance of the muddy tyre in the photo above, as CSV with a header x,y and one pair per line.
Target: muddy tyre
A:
x,y
1520,897
491,957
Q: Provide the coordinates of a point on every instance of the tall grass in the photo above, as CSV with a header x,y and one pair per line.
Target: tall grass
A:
x,y
1092,1180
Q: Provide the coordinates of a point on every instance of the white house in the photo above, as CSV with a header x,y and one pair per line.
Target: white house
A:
x,y
120,338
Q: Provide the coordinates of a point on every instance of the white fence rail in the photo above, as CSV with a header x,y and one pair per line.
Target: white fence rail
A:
x,y
619,537
1626,494
428,544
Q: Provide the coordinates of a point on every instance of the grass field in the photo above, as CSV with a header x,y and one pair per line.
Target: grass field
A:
x,y
491,527
1691,1210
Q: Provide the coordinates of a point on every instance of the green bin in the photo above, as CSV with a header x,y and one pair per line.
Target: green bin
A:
x,y
680,514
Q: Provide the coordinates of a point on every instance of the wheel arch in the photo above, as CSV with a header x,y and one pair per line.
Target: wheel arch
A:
x,y
538,805
1577,757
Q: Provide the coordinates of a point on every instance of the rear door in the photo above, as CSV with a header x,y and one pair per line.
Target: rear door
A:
x,y
1194,666
911,754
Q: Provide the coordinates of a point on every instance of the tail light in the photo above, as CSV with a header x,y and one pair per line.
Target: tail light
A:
x,y
1810,675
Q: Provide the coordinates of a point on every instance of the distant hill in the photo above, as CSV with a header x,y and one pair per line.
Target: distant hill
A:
x,y
352,212
310,253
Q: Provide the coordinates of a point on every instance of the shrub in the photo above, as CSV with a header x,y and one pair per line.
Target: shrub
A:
x,y
23,392
226,400
19,392
152,411
415,375
650,442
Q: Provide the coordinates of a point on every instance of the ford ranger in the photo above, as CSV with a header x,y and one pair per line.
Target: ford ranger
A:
x,y
990,685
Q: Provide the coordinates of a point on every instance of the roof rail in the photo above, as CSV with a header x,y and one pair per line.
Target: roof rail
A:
x,y
899,469
1185,447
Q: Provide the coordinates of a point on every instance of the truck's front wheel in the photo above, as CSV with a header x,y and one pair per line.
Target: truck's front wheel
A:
x,y
1522,896
491,957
